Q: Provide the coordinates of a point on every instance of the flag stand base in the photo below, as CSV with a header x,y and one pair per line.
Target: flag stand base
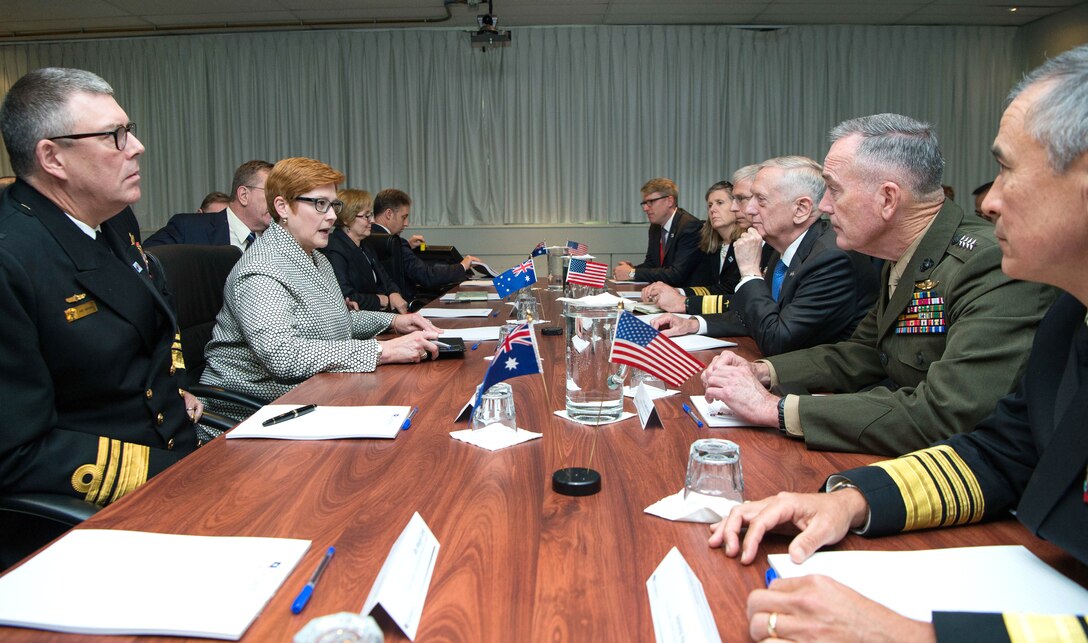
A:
x,y
576,481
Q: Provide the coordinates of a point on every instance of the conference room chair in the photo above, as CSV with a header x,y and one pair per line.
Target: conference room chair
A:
x,y
195,276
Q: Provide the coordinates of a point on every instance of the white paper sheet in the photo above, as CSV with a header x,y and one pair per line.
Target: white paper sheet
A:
x,y
494,436
450,313
478,282
470,335
630,392
678,603
486,268
629,294
325,423
145,583
716,415
452,297
402,584
693,343
970,579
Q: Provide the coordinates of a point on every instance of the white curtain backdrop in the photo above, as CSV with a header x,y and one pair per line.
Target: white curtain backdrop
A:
x,y
563,126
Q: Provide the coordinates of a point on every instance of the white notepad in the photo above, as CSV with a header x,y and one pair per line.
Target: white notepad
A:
x,y
968,579
325,423
103,581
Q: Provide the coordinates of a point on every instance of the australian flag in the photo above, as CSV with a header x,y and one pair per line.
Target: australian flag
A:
x,y
540,249
516,355
518,277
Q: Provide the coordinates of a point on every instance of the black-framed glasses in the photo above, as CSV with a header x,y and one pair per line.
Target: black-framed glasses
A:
x,y
369,214
655,199
321,204
120,135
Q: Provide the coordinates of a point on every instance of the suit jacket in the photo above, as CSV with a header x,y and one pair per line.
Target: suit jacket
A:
x,y
715,296
681,253
409,272
909,389
200,228
89,369
825,293
1030,454
358,271
284,320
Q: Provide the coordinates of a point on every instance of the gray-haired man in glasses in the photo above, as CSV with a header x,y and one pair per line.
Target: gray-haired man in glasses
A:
x,y
89,371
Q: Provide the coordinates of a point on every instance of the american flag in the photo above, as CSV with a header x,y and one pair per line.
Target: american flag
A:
x,y
540,249
638,344
577,248
516,355
518,277
587,273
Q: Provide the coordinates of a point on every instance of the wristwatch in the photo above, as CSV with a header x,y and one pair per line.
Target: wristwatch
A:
x,y
782,414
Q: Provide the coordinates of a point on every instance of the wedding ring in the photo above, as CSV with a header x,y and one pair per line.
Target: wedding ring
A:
x,y
772,622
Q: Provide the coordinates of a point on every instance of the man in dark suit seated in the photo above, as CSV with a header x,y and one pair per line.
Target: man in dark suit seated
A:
x,y
392,208
716,276
243,220
90,371
1029,455
813,292
672,251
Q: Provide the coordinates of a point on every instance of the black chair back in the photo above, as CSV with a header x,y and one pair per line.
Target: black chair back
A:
x,y
195,276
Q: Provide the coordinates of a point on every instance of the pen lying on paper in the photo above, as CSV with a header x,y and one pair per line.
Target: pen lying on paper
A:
x,y
290,415
691,414
304,595
408,420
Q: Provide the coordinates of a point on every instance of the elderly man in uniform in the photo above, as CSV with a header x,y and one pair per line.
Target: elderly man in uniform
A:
x,y
1029,455
89,369
949,334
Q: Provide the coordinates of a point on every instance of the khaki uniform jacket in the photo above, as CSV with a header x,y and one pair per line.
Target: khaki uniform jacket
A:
x,y
918,388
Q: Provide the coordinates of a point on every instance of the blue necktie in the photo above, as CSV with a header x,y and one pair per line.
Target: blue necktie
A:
x,y
776,281
250,239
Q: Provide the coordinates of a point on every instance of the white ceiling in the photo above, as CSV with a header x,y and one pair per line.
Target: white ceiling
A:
x,y
63,19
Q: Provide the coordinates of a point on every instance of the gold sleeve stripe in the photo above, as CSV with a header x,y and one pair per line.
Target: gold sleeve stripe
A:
x,y
119,468
712,304
699,291
133,469
176,355
1030,628
938,488
89,487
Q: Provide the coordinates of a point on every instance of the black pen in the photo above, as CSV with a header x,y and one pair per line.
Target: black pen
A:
x,y
290,415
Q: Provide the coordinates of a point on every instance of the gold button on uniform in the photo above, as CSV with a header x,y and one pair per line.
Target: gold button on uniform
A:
x,y
172,369
149,394
159,419
170,444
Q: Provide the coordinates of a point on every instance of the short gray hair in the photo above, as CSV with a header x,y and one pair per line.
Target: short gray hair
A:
x,y
802,177
897,144
36,107
1059,118
746,173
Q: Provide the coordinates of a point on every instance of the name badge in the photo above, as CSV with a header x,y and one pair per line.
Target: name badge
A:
x,y
80,311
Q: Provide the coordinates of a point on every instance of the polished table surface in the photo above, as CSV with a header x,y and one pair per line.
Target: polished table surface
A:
x,y
517,561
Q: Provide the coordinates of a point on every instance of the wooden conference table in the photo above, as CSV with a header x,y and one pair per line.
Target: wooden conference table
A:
x,y
517,561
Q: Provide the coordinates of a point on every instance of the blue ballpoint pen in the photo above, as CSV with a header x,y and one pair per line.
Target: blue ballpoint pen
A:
x,y
691,414
476,345
770,576
308,590
408,420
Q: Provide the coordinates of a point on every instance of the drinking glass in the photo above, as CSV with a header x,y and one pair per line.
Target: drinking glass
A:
x,y
714,470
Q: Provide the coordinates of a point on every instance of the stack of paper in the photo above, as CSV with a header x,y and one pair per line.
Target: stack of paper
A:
x,y
325,423
95,581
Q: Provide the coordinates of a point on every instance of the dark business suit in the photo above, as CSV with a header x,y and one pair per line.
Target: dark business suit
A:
x,y
200,228
89,371
1029,455
360,274
410,273
715,298
825,293
681,252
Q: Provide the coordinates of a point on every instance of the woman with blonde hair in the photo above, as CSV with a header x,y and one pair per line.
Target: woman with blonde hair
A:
x,y
284,318
363,281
